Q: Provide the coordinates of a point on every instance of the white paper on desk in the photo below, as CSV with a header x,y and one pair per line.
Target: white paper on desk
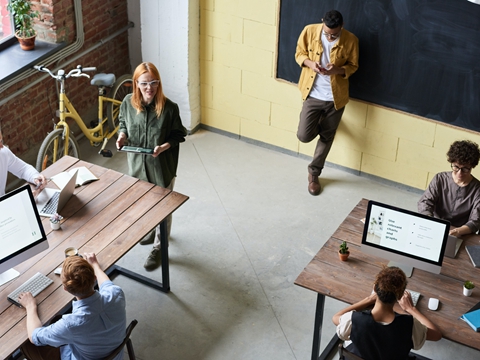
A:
x,y
84,176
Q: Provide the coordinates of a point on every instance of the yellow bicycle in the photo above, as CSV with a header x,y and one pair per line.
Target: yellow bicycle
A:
x,y
61,141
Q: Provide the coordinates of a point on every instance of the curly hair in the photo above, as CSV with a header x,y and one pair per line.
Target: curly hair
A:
x,y
333,19
78,276
390,284
464,152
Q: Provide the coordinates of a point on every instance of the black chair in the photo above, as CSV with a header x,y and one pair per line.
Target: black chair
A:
x,y
344,354
126,341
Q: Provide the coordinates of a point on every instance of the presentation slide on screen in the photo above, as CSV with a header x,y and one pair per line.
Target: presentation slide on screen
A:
x,y
18,224
405,233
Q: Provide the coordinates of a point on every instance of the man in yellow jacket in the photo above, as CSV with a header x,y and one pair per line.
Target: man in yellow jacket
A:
x,y
328,55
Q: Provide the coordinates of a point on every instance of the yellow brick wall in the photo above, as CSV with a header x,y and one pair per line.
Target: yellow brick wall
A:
x,y
240,95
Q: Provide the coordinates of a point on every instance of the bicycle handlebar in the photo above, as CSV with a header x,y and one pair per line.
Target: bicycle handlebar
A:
x,y
79,71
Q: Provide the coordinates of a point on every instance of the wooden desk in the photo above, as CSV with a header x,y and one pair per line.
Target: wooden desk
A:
x,y
352,280
108,217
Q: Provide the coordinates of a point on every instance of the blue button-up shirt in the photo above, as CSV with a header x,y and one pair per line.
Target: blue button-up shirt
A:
x,y
93,330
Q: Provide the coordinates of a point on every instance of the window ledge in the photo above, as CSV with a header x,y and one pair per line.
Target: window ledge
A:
x,y
15,60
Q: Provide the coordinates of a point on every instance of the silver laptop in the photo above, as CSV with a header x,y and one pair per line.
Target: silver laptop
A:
x,y
50,201
453,244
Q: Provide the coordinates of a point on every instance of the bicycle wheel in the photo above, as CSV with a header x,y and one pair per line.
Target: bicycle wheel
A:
x,y
46,152
122,87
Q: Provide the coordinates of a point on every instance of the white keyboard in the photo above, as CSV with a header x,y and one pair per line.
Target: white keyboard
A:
x,y
415,296
35,285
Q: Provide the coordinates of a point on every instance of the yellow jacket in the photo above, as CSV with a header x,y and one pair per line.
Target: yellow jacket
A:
x,y
344,54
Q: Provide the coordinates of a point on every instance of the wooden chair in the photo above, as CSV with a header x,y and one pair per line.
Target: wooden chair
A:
x,y
126,341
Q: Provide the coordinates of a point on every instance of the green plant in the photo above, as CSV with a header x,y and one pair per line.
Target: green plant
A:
x,y
343,248
23,15
469,285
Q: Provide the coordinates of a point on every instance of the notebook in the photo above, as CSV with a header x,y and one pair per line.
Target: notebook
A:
x,y
51,201
473,319
453,244
473,252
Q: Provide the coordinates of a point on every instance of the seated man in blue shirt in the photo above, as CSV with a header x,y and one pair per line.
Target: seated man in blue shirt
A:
x,y
96,325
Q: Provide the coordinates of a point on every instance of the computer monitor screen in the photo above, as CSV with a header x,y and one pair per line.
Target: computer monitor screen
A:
x,y
21,231
408,238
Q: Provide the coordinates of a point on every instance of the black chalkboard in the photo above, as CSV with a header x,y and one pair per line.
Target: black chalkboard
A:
x,y
417,56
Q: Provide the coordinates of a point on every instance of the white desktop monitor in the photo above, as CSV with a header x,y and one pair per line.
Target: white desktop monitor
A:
x,y
21,231
409,239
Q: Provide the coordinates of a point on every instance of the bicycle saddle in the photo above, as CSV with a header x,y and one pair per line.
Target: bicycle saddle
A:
x,y
103,79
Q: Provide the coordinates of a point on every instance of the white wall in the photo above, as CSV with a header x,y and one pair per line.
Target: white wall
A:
x,y
167,34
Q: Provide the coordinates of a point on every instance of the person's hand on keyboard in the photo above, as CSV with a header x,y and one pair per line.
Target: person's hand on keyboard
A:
x,y
406,302
27,300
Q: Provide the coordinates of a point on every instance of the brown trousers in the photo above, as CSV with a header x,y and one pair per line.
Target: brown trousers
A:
x,y
318,117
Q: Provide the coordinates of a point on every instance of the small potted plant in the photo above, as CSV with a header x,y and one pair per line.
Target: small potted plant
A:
x,y
23,15
468,288
55,221
343,251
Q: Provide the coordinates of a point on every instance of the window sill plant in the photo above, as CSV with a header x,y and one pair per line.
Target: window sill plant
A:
x,y
23,15
55,221
343,252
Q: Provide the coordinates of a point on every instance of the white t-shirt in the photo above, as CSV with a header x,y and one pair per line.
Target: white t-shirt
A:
x,y
322,86
344,328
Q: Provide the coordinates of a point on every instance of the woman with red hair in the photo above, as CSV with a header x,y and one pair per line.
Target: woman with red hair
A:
x,y
149,119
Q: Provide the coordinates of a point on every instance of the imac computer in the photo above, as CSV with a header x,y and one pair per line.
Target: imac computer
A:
x,y
21,231
407,238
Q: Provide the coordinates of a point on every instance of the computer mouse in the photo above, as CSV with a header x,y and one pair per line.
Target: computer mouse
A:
x,y
433,303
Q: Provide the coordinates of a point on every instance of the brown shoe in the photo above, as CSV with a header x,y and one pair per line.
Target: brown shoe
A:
x,y
314,187
153,260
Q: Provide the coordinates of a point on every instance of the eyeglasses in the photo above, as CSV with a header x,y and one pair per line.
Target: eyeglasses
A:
x,y
332,36
464,170
152,84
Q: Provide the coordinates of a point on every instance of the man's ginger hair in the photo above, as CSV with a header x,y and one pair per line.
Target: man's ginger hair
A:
x,y
78,276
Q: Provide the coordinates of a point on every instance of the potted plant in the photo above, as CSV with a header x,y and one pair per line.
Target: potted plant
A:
x,y
468,288
55,221
343,251
23,15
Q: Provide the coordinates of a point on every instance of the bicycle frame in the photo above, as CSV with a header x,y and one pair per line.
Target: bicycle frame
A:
x,y
67,110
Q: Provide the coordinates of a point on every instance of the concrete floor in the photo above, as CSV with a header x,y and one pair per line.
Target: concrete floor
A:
x,y
237,245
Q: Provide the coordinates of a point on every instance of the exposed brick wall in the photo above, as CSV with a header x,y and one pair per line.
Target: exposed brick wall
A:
x,y
26,119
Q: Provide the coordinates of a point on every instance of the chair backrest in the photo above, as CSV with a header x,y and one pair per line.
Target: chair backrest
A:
x,y
126,341
344,354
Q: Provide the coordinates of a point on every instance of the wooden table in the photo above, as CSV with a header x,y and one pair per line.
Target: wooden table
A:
x,y
108,217
352,280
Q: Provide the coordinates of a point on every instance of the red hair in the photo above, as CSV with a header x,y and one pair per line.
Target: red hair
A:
x,y
78,276
159,99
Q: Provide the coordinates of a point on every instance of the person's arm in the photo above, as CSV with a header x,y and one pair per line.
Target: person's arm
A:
x,y
33,321
301,52
122,129
460,231
426,204
122,137
359,306
99,273
24,171
433,333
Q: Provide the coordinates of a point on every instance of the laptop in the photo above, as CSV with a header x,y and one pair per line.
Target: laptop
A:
x,y
51,201
453,244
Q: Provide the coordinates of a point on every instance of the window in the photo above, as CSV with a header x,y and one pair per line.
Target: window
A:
x,y
6,25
